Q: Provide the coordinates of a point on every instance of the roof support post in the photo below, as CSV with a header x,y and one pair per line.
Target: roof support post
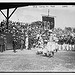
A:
x,y
7,17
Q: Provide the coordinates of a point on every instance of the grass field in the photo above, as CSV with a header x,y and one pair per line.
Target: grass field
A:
x,y
28,61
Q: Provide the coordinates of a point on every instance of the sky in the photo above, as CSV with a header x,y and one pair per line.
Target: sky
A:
x,y
64,16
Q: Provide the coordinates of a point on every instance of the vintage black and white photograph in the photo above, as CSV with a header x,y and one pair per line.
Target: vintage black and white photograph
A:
x,y
37,37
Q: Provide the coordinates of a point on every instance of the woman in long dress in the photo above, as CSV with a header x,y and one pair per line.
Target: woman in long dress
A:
x,y
50,47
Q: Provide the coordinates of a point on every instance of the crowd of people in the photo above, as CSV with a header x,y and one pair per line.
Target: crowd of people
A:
x,y
63,42
54,44
36,37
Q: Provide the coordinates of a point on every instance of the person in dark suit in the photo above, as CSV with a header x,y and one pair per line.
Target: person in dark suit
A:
x,y
1,44
22,44
14,45
5,42
29,40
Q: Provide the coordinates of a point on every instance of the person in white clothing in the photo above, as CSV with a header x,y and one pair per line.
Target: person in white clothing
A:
x,y
50,47
59,47
63,46
74,46
26,43
56,46
70,47
67,47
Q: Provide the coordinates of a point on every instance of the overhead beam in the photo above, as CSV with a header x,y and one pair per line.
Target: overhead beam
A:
x,y
13,12
3,13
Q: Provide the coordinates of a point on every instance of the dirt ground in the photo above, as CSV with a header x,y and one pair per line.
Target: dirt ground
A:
x,y
28,61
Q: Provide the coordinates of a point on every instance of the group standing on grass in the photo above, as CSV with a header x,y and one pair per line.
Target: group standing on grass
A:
x,y
57,43
53,43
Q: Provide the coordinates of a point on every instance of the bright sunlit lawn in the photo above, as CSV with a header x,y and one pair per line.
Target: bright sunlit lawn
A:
x,y
28,61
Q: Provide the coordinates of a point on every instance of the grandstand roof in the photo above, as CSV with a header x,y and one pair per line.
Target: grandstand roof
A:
x,y
12,5
21,4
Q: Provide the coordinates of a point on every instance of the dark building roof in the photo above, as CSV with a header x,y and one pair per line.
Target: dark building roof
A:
x,y
18,4
12,5
21,4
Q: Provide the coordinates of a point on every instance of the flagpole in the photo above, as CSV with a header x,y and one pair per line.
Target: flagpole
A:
x,y
48,12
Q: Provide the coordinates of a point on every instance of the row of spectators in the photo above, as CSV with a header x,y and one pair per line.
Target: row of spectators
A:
x,y
35,28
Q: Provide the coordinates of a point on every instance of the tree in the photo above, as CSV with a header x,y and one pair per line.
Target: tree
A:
x,y
68,29
74,30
